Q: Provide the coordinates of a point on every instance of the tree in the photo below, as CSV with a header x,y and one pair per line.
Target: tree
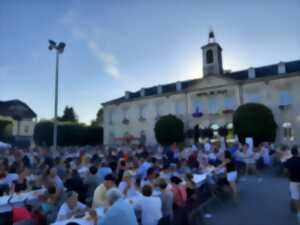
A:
x,y
69,134
169,130
256,121
69,115
99,119
6,127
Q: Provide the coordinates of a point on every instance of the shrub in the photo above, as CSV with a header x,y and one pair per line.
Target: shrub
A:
x,y
168,130
256,121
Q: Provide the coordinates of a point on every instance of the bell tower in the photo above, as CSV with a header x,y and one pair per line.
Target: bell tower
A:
x,y
212,57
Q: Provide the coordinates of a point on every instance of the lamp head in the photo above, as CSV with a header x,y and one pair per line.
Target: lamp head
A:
x,y
52,45
60,47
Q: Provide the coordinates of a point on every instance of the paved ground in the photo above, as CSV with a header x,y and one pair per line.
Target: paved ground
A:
x,y
261,203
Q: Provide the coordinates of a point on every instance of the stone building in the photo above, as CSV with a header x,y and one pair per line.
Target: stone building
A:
x,y
208,101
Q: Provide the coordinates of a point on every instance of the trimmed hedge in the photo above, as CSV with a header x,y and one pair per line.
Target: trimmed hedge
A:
x,y
169,130
69,134
256,121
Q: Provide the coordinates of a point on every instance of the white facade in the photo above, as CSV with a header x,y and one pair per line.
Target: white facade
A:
x,y
216,96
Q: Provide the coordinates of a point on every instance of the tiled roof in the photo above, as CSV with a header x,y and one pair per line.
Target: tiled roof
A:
x,y
260,72
16,109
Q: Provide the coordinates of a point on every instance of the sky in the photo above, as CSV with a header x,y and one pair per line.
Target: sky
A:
x,y
117,45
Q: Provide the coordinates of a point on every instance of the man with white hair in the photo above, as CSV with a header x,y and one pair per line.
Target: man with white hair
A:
x,y
71,207
120,211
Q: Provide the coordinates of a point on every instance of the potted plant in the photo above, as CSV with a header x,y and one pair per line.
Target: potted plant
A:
x,y
197,113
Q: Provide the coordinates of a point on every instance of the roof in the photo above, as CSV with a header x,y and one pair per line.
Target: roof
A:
x,y
16,109
242,75
265,71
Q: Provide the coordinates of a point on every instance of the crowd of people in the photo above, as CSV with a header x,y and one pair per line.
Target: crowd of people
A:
x,y
133,184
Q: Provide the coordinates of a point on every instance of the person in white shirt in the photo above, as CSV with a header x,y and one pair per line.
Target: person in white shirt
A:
x,y
59,185
127,186
71,208
150,207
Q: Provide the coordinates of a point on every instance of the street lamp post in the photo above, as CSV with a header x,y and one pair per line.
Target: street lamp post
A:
x,y
59,50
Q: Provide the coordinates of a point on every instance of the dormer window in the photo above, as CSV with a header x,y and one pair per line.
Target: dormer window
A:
x,y
209,56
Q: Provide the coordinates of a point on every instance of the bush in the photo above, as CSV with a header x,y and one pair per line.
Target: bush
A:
x,y
169,130
69,134
256,121
6,131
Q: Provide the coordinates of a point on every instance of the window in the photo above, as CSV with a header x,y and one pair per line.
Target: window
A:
x,y
252,98
111,117
197,105
229,102
284,98
179,108
142,112
213,104
288,131
111,137
209,56
26,129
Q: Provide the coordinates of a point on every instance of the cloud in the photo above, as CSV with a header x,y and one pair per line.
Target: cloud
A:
x,y
90,35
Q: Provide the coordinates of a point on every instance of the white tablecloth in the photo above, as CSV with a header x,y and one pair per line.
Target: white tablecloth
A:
x,y
18,199
81,221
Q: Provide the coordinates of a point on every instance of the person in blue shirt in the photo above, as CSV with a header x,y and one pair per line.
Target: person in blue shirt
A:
x,y
103,171
121,212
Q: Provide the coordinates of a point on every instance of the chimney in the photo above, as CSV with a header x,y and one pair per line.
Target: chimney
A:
x,y
281,68
159,89
178,86
251,73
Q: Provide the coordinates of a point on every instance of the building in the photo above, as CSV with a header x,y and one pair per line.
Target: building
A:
x,y
22,118
209,101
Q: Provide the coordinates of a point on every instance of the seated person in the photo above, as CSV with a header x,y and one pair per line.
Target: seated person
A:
x,y
120,211
99,198
71,208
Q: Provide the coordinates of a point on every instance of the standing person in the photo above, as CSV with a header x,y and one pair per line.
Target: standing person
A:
x,y
166,197
149,206
231,175
248,156
293,167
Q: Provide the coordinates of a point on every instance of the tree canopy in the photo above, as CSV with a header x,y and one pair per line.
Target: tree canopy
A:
x,y
256,121
99,119
169,130
69,115
69,134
